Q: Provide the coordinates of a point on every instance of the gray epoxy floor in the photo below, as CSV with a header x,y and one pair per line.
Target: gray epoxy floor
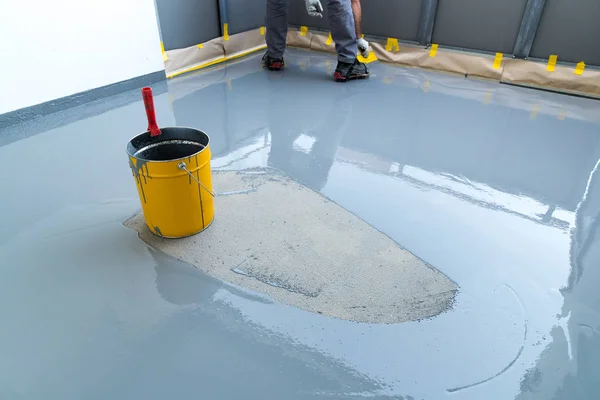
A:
x,y
497,187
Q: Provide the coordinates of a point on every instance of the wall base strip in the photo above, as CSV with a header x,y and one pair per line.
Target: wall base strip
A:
x,y
74,100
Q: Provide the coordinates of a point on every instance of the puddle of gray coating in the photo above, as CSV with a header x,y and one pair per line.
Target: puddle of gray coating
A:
x,y
287,241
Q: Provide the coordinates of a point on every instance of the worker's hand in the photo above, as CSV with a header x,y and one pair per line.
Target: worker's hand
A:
x,y
363,47
314,8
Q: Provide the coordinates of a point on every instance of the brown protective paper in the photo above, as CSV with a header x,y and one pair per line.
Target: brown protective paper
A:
x,y
478,66
319,43
295,39
534,102
534,74
445,60
181,60
243,43
408,56
212,52
520,72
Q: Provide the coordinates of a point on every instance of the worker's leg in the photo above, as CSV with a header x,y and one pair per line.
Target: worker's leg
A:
x,y
343,31
357,11
363,45
341,20
277,26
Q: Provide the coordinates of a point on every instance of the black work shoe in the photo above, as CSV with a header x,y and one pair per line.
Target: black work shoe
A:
x,y
348,71
273,64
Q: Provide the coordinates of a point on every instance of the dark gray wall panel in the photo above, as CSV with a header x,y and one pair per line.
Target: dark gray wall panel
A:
x,y
185,23
245,15
385,18
490,25
392,18
570,29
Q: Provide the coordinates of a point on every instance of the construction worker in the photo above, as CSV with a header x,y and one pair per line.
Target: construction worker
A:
x,y
343,32
363,45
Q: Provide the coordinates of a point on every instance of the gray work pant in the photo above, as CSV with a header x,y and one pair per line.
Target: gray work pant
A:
x,y
341,21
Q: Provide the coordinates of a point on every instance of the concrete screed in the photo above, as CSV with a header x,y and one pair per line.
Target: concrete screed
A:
x,y
287,241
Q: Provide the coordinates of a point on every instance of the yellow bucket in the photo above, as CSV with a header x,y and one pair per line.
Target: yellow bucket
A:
x,y
174,182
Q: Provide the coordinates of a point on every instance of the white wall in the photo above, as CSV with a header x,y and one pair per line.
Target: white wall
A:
x,y
54,48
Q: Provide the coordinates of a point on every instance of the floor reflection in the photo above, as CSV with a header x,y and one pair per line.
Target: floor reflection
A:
x,y
567,368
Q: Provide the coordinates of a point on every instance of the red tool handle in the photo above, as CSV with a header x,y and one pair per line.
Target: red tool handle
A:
x,y
149,105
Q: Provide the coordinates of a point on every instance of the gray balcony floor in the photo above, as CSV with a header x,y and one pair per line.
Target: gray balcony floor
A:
x,y
496,187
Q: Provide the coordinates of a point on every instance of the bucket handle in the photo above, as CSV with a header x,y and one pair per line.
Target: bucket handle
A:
x,y
183,167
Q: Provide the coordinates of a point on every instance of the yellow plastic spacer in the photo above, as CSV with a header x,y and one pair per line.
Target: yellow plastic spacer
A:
x,y
200,46
498,60
226,31
303,30
433,51
579,69
329,40
164,54
262,30
392,44
372,58
552,63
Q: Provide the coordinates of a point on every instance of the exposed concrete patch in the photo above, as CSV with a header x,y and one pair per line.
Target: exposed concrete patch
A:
x,y
291,243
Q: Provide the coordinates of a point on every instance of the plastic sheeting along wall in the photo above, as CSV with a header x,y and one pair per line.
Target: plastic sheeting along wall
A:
x,y
186,23
571,30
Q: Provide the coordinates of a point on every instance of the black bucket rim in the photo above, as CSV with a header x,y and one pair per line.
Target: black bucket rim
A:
x,y
147,133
